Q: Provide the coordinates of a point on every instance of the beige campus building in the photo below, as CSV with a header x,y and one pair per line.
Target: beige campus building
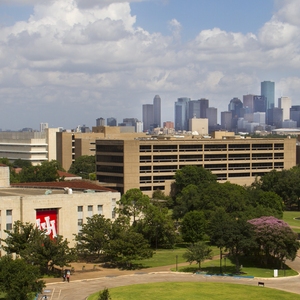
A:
x,y
34,147
60,208
71,145
150,163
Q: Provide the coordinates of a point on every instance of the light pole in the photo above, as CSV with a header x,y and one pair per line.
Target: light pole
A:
x,y
221,261
176,263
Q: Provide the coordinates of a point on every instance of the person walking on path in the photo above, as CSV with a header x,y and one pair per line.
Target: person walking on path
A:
x,y
68,275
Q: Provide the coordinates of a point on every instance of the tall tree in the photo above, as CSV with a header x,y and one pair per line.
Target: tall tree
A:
x,y
19,280
94,236
83,166
195,175
128,246
35,247
133,203
46,172
193,227
197,252
157,227
275,239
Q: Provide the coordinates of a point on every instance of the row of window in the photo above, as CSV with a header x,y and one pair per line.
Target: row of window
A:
x,y
211,147
210,157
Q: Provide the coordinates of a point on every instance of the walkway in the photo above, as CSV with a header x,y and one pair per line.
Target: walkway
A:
x,y
85,283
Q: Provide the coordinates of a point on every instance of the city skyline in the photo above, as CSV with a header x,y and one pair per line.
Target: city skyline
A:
x,y
68,62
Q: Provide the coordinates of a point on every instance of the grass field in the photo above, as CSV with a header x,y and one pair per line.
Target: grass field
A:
x,y
192,291
248,269
289,217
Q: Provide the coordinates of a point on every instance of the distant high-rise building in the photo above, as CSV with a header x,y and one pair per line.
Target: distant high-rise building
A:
x,y
226,120
43,126
147,116
236,107
285,104
168,124
259,104
100,122
157,111
259,117
248,103
181,118
275,117
139,126
212,116
268,90
111,121
204,103
295,114
193,109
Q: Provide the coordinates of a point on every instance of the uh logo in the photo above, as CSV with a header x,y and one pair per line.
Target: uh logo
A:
x,y
48,225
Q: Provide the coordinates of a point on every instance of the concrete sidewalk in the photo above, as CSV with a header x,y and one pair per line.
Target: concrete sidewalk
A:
x,y
95,278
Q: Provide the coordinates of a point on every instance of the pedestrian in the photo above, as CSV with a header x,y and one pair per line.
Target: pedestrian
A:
x,y
68,275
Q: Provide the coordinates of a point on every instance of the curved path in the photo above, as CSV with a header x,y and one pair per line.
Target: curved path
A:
x,y
85,283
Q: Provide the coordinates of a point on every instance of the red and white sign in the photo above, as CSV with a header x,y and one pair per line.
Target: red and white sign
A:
x,y
47,220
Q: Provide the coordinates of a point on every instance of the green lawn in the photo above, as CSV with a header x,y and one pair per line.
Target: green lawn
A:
x,y
195,290
289,217
248,269
167,257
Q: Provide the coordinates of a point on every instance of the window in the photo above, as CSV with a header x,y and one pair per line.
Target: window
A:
x,y
8,226
100,209
80,222
9,212
80,208
90,207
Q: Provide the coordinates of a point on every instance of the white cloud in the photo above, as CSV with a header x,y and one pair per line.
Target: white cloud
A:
x,y
92,60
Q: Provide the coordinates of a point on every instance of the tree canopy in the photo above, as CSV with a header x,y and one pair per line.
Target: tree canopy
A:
x,y
275,239
19,280
45,172
83,166
197,252
35,247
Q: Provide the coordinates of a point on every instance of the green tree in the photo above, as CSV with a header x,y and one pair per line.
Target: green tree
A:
x,y
128,246
187,200
133,203
197,252
83,166
104,295
19,280
157,227
193,227
275,239
233,234
284,183
195,175
46,172
21,235
48,252
21,163
94,236
35,247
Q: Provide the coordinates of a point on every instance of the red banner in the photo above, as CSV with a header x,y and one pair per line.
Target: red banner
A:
x,y
47,220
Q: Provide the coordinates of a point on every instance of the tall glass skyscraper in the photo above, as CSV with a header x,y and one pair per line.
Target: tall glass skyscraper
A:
x,y
267,89
181,118
157,111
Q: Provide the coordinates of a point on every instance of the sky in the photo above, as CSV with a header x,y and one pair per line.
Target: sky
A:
x,y
69,62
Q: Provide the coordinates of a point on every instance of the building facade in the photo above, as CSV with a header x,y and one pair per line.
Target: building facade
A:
x,y
157,111
285,104
147,116
34,147
150,163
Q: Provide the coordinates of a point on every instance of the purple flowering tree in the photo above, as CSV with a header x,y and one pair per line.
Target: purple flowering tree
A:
x,y
275,239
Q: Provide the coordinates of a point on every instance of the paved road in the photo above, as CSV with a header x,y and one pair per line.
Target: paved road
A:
x,y
79,289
